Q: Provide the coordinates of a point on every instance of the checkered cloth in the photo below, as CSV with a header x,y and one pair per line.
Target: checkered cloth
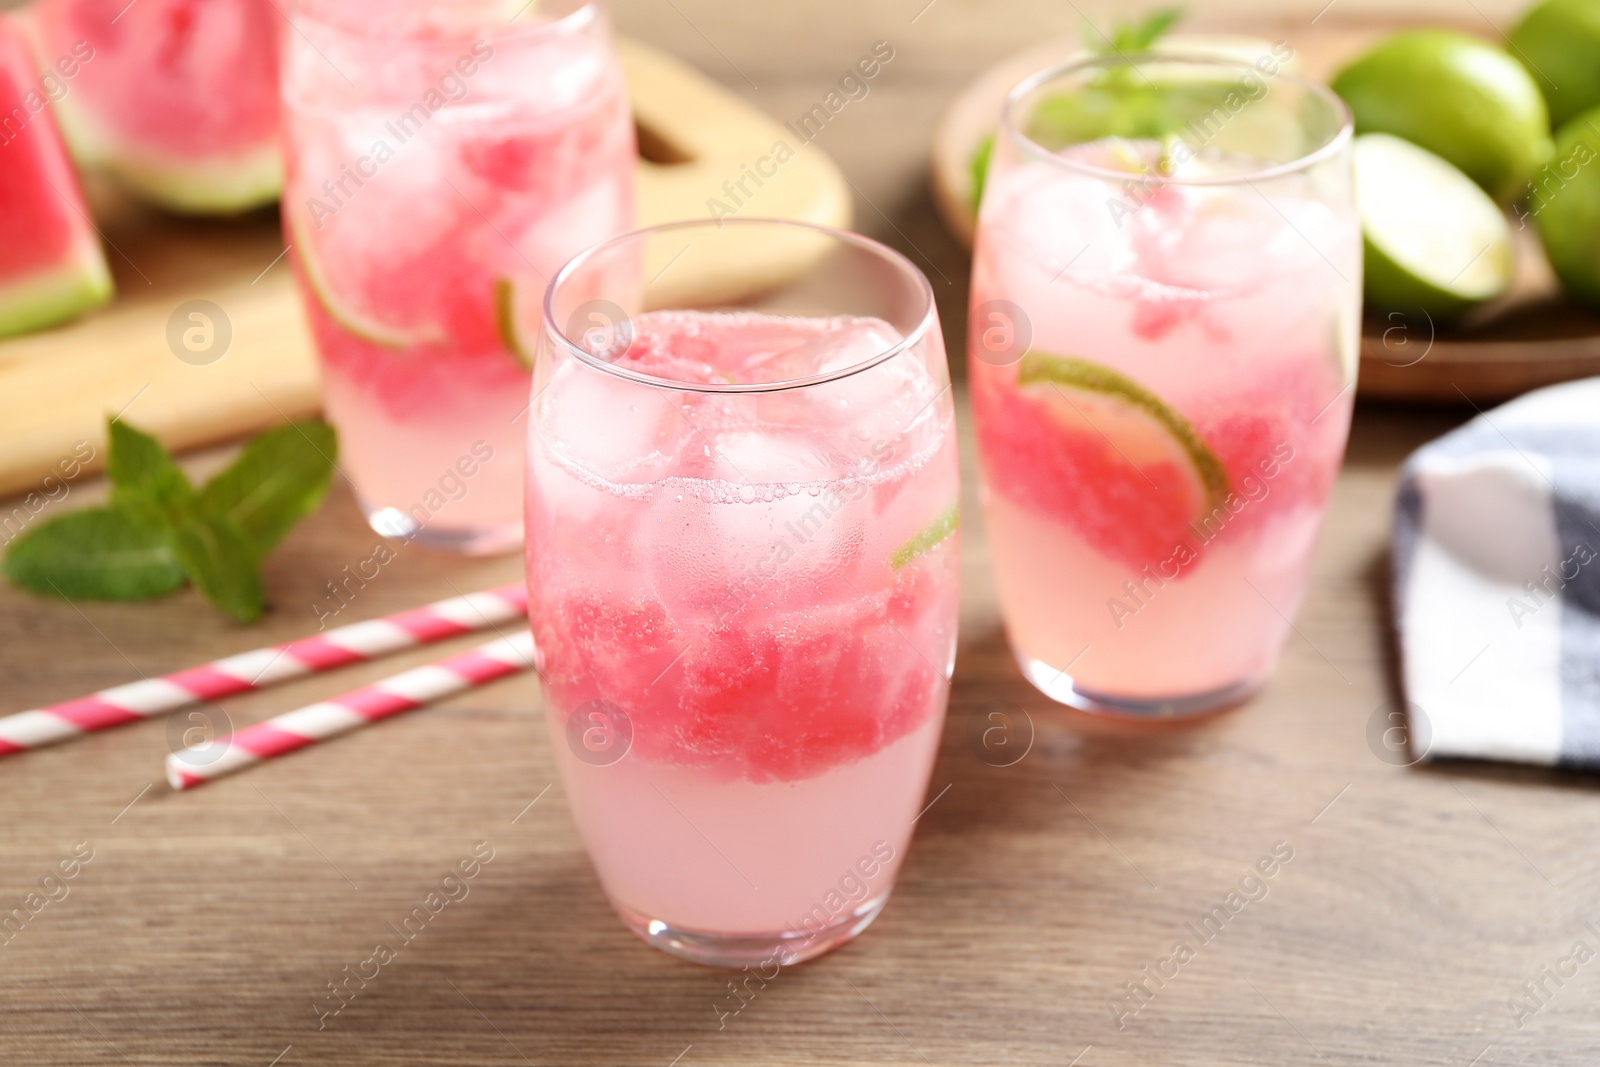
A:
x,y
1497,583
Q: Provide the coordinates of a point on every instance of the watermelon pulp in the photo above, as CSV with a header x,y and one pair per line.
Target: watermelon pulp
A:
x,y
178,99
51,265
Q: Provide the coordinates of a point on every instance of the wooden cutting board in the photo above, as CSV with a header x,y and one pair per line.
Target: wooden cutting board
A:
x,y
1529,337
58,386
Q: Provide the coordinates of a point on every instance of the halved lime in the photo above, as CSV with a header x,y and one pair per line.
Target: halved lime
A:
x,y
349,319
1435,242
948,521
1140,426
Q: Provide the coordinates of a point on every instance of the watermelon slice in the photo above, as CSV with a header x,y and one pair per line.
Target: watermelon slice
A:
x,y
51,265
178,99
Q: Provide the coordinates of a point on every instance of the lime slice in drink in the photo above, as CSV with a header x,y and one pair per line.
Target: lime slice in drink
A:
x,y
1435,242
948,521
511,318
349,319
1139,425
1459,97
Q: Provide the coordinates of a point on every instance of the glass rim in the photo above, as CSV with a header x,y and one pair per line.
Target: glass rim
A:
x,y
1327,149
580,17
895,259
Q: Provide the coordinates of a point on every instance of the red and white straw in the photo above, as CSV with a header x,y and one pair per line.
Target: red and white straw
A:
x,y
261,668
296,729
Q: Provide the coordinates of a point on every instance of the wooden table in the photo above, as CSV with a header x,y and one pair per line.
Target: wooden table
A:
x,y
1416,902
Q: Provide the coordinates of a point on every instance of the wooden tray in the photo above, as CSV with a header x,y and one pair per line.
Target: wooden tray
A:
x,y
58,386
1530,337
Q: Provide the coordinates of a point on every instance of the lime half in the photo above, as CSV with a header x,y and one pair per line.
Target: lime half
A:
x,y
1142,428
1435,242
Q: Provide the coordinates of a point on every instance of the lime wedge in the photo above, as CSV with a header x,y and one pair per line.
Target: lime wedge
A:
x,y
1137,423
1435,242
508,319
349,319
947,523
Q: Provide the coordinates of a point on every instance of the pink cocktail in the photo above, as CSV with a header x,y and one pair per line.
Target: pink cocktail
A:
x,y
1162,356
442,163
742,558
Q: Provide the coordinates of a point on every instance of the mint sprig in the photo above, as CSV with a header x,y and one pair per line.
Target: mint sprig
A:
x,y
1101,110
1132,38
158,531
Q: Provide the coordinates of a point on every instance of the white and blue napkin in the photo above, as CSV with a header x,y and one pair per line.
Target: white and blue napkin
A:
x,y
1497,583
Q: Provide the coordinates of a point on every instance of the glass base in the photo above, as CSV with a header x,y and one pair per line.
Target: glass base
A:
x,y
1059,686
491,540
751,950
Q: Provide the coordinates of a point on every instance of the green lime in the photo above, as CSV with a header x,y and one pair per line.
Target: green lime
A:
x,y
1457,96
1565,205
1559,42
1142,428
945,524
1435,242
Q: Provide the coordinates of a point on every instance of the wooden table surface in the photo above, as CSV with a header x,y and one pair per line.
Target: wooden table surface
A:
x,y
1417,900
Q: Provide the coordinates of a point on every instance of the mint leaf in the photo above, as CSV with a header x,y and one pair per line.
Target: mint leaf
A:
x,y
1093,40
219,561
1112,105
1135,38
144,479
276,480
99,553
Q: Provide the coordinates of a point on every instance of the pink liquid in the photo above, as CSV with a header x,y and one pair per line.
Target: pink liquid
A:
x,y
721,568
1119,579
417,217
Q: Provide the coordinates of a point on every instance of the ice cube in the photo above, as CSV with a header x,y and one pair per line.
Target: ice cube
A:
x,y
616,430
557,232
757,459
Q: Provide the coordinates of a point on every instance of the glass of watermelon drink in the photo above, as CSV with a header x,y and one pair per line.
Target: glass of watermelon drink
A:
x,y
1165,305
444,158
742,555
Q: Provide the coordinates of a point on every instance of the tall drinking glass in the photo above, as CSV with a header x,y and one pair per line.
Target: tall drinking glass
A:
x,y
444,159
742,569
1165,309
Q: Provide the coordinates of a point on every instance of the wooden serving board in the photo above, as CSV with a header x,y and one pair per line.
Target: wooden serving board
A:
x,y
1530,337
58,386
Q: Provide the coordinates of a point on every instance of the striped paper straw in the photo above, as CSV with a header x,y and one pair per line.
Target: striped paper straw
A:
x,y
262,667
318,722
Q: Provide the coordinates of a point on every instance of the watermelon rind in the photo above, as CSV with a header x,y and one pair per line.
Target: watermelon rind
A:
x,y
183,186
44,299
213,188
